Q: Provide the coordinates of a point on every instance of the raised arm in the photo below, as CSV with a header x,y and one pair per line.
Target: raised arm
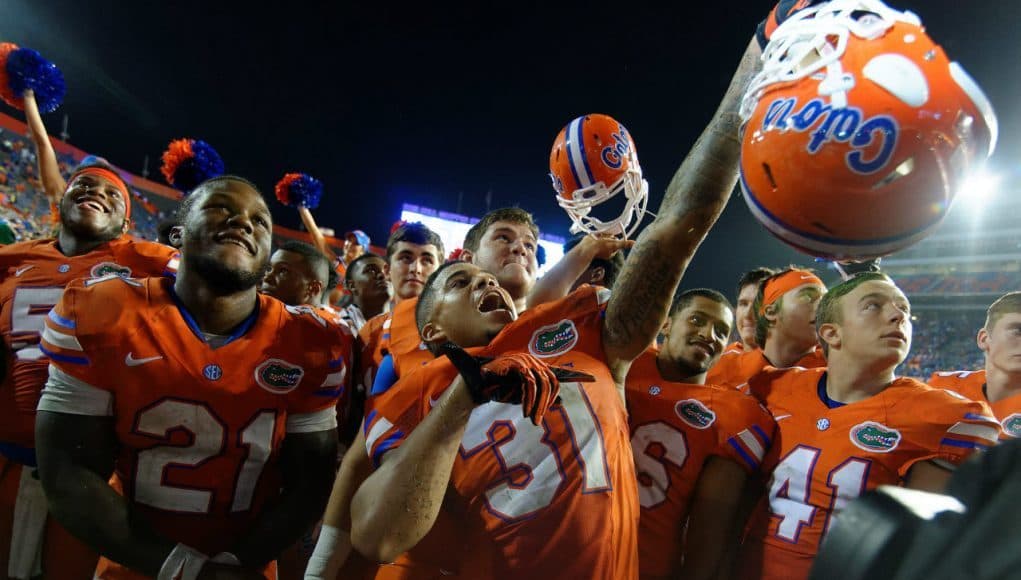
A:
x,y
49,170
318,239
694,200
558,282
76,454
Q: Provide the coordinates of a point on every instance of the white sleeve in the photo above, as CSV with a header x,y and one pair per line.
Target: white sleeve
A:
x,y
312,422
66,394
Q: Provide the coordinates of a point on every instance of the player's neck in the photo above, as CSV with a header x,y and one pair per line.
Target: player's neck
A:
x,y
214,312
674,373
371,309
1000,384
783,354
71,245
848,381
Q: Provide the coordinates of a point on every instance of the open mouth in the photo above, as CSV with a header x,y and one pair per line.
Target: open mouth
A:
x,y
492,301
232,239
86,202
709,349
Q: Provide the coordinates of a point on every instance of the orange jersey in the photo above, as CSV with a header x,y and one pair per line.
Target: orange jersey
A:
x,y
675,429
200,428
557,501
735,367
827,454
371,351
972,384
394,333
32,278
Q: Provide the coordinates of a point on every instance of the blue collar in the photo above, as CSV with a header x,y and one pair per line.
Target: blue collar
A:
x,y
825,398
238,332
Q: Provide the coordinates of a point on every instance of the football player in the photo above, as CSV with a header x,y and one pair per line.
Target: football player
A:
x,y
855,425
784,327
94,214
747,290
694,444
297,275
213,405
541,479
365,279
999,384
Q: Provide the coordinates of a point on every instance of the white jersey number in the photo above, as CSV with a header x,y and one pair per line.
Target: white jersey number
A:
x,y
532,465
655,446
208,440
791,485
28,319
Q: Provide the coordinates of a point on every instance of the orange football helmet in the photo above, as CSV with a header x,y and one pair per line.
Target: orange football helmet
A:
x,y
594,159
858,131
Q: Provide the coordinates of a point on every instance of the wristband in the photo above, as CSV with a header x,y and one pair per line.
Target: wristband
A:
x,y
326,559
183,563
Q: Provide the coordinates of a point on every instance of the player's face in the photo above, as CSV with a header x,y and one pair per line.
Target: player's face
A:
x,y
410,266
289,278
875,328
507,250
1002,344
796,322
369,281
352,249
226,236
92,207
471,308
745,315
697,335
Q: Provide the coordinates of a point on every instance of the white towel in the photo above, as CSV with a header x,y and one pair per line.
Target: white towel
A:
x,y
29,528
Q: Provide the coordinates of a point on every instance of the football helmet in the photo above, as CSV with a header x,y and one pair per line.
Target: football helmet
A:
x,y
858,131
594,159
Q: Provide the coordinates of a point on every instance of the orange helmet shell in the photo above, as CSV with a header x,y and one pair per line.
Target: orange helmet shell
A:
x,y
862,157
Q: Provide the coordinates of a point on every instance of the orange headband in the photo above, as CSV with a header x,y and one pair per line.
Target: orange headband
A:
x,y
777,287
115,180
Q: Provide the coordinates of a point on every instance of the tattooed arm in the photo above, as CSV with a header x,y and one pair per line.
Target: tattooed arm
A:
x,y
694,199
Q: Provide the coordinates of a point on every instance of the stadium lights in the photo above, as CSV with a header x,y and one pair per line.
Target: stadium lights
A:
x,y
978,190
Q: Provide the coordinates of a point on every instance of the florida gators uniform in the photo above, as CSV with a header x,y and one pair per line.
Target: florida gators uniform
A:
x,y
556,501
675,429
200,428
735,367
972,384
737,347
828,453
32,278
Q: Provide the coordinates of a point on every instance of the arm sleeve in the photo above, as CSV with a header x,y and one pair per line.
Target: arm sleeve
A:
x,y
64,393
747,430
952,429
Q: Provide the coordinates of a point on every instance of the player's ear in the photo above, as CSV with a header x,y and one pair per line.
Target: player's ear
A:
x,y
433,333
983,340
315,289
829,333
176,236
598,276
770,313
466,256
665,331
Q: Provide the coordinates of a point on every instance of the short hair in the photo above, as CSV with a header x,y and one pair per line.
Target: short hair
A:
x,y
414,233
515,215
1006,304
685,298
189,200
163,230
828,310
611,268
754,276
762,324
350,273
427,299
316,260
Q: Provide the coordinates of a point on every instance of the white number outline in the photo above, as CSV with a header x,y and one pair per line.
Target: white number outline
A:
x,y
25,336
660,463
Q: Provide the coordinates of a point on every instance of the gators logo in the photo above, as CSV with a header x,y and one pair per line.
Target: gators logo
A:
x,y
278,377
695,413
107,268
875,437
553,340
1012,425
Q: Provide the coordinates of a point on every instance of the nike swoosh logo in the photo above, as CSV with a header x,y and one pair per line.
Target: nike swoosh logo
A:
x,y
134,362
779,418
807,277
21,271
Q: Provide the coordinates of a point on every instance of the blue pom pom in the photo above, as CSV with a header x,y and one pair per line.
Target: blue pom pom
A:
x,y
305,191
27,69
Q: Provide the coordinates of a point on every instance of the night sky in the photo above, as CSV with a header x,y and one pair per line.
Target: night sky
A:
x,y
429,103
